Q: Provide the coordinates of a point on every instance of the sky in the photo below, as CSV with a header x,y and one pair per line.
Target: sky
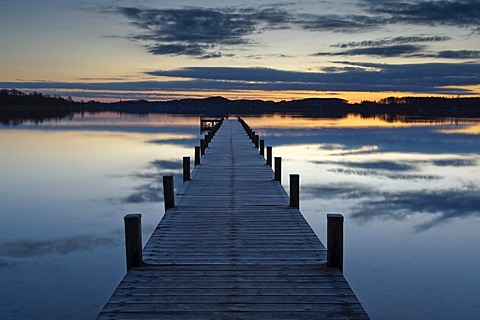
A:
x,y
273,50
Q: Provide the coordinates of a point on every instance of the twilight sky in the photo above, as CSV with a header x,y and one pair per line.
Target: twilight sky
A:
x,y
351,49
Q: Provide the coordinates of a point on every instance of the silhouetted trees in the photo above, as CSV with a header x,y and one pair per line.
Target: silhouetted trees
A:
x,y
15,105
17,98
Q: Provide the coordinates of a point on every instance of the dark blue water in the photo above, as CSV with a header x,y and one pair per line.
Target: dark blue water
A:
x,y
409,193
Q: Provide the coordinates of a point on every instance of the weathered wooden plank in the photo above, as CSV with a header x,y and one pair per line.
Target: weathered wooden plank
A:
x,y
233,248
214,306
232,315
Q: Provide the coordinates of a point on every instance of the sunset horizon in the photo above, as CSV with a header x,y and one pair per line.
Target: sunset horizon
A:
x,y
358,50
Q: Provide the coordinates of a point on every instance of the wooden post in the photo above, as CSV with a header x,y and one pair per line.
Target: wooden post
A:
x,y
168,193
295,190
197,155
262,147
202,146
186,168
133,240
269,156
255,140
278,169
335,241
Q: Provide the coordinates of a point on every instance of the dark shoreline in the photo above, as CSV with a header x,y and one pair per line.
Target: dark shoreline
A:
x,y
16,107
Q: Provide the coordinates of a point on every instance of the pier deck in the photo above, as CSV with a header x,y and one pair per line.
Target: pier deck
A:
x,y
232,248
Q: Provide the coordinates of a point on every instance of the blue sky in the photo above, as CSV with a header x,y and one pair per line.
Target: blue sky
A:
x,y
353,49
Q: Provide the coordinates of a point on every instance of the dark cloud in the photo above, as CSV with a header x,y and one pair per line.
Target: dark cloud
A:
x,y
459,54
391,41
405,50
336,23
385,51
206,32
463,13
374,77
30,248
201,32
429,77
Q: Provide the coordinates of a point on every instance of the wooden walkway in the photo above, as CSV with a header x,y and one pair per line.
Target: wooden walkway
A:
x,y
232,248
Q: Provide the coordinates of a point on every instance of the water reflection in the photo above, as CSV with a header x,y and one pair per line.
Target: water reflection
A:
x,y
439,205
31,248
64,195
408,191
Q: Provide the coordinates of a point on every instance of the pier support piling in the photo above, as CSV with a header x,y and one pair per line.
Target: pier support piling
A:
x,y
197,155
186,169
278,169
335,241
269,156
203,146
133,240
295,190
168,193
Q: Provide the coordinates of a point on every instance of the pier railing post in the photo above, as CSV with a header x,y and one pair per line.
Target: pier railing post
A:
x,y
262,147
202,146
133,240
186,168
269,156
197,155
255,140
295,190
278,169
168,193
335,241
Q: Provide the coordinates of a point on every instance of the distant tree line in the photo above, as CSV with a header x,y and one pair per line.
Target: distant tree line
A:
x,y
17,98
16,105
421,107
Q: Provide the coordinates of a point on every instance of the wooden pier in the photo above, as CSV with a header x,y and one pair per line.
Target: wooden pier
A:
x,y
233,247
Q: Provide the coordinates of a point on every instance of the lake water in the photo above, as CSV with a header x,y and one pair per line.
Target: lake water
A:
x,y
410,194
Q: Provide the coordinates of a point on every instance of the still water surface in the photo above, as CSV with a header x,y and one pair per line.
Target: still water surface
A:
x,y
409,193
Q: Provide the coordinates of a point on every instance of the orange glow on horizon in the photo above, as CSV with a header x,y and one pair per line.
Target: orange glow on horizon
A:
x,y
349,96
350,121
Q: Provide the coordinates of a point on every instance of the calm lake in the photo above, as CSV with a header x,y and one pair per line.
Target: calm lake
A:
x,y
409,191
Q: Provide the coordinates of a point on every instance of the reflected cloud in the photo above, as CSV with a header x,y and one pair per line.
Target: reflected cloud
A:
x,y
373,165
464,130
177,142
31,248
337,190
438,206
146,193
386,174
153,190
443,205
167,164
346,150
455,163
